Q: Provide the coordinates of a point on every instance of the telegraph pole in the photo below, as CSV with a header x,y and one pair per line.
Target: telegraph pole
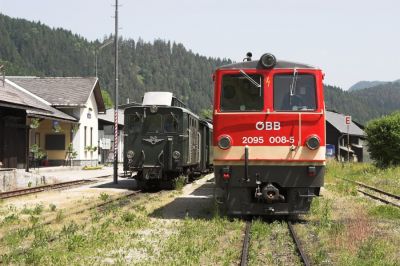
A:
x,y
116,98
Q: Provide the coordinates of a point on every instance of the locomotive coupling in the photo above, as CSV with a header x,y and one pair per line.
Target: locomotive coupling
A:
x,y
270,193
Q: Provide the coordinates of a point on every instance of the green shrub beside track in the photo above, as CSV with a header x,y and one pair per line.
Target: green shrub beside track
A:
x,y
383,135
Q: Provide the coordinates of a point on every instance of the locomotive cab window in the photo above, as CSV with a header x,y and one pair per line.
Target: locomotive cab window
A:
x,y
134,123
152,123
294,92
242,93
170,123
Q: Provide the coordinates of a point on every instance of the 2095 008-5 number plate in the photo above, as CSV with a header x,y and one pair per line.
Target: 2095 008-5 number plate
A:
x,y
268,140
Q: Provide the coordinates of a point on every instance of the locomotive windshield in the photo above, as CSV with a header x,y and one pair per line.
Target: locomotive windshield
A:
x,y
294,92
152,123
241,93
134,123
170,123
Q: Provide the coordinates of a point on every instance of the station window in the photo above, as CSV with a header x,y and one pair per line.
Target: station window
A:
x,y
242,93
91,136
84,137
294,92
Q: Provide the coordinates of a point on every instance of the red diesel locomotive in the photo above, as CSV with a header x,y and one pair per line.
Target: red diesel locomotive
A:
x,y
269,136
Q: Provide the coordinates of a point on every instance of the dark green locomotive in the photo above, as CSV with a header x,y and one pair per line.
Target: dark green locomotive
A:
x,y
163,140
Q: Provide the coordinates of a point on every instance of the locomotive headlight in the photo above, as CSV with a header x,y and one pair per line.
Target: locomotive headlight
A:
x,y
153,109
268,60
224,142
130,154
313,142
176,155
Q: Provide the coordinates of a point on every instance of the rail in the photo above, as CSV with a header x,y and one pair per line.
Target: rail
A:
x,y
27,191
299,247
246,244
393,196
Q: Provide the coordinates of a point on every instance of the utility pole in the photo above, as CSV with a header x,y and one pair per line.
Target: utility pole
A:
x,y
116,98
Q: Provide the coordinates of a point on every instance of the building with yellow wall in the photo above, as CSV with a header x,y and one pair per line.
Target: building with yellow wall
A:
x,y
76,103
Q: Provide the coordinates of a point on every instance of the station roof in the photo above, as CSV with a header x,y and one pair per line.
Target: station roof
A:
x,y
338,121
62,91
15,98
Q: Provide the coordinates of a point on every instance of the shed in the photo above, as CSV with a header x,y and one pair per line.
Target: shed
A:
x,y
336,135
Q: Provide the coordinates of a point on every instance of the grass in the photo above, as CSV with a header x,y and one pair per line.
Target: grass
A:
x,y
37,210
347,229
104,196
180,183
52,207
87,167
202,242
385,211
387,179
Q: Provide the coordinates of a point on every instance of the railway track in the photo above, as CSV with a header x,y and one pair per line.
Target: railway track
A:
x,y
377,190
33,190
246,244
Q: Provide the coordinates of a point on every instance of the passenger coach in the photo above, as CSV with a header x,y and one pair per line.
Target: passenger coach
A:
x,y
269,136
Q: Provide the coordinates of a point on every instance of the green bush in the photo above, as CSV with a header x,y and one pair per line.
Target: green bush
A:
x,y
383,136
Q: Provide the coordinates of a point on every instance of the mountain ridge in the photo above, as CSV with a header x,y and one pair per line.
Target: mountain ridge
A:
x,y
365,84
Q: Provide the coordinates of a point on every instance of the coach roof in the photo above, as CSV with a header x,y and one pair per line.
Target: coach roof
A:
x,y
256,64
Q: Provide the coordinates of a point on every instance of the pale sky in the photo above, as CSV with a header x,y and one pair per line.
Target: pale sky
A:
x,y
350,40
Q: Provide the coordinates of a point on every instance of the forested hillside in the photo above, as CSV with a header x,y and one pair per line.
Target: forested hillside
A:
x,y
31,48
364,104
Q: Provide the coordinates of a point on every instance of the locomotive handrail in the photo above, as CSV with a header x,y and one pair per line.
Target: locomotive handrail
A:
x,y
159,158
143,157
299,143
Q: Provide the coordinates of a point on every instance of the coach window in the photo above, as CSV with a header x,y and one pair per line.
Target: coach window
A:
x,y
294,92
152,123
242,93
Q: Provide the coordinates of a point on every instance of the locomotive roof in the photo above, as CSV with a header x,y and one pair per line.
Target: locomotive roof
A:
x,y
256,64
157,98
183,109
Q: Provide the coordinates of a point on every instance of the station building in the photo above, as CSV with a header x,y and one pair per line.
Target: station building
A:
x,y
341,147
54,115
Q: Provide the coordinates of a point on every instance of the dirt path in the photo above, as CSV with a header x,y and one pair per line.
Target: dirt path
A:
x,y
70,197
